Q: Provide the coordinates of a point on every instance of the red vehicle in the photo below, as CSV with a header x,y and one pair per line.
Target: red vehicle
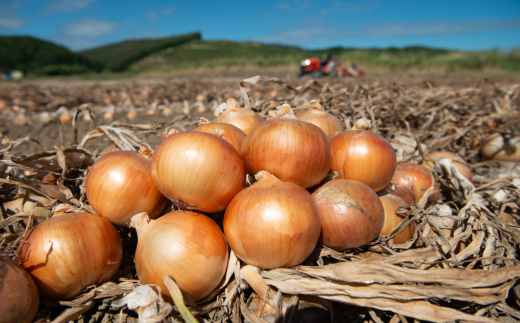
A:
x,y
317,68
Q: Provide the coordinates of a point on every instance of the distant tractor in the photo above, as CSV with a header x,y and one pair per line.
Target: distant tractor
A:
x,y
317,68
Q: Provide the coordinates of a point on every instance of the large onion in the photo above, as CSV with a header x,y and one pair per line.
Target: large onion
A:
x,y
197,170
244,119
417,179
496,148
187,245
351,214
390,204
319,117
290,149
458,162
19,297
272,223
363,156
120,185
226,131
70,252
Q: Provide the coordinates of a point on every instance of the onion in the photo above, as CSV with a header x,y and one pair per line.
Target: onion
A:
x,y
228,132
390,204
417,179
120,184
290,149
70,252
496,149
460,163
197,170
187,245
244,119
272,223
401,192
351,214
19,297
319,117
363,156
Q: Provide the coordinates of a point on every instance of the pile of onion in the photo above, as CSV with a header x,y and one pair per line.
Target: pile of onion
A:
x,y
458,162
198,171
292,150
186,245
496,148
390,204
244,119
363,156
120,185
319,117
351,214
19,296
272,223
226,131
416,179
69,252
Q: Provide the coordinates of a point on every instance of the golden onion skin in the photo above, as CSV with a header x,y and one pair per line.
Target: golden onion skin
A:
x,y
292,150
390,204
186,245
363,156
351,214
67,253
272,224
232,134
243,119
325,121
417,179
19,298
120,185
463,168
198,170
400,191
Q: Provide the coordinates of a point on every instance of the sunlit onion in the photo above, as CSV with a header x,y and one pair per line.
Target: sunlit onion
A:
x,y
19,296
401,192
417,179
226,131
390,204
458,162
319,117
244,119
496,148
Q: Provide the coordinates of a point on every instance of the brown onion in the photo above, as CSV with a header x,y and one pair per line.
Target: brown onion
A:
x,y
401,192
244,119
461,164
319,117
19,296
186,245
363,156
272,223
392,220
120,184
69,252
351,214
417,179
496,148
290,149
228,132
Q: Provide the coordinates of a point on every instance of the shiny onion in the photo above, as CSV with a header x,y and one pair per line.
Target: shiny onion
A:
x,y
319,117
290,149
363,156
120,185
496,148
351,214
460,164
417,179
19,296
244,119
272,223
401,192
69,252
226,131
392,220
197,170
186,245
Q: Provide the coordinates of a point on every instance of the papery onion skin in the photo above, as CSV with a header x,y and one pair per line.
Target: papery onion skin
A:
x,y
244,119
292,150
390,204
120,185
322,119
272,223
401,192
19,296
463,168
67,253
351,214
363,156
186,245
417,179
198,171
232,134
493,148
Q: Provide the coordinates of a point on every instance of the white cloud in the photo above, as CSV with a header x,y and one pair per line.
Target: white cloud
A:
x,y
151,15
168,11
12,23
68,5
89,28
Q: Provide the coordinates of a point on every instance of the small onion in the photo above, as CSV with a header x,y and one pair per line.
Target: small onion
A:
x,y
392,220
69,252
228,132
363,156
417,179
120,184
496,149
19,296
272,223
351,214
401,192
197,170
460,163
319,117
187,245
290,149
244,119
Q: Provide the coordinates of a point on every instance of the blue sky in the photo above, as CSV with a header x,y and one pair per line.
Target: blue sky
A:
x,y
81,24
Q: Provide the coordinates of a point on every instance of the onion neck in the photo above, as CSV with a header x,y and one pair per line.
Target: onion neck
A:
x,y
141,223
203,121
145,152
285,111
219,133
316,106
362,124
232,105
264,175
